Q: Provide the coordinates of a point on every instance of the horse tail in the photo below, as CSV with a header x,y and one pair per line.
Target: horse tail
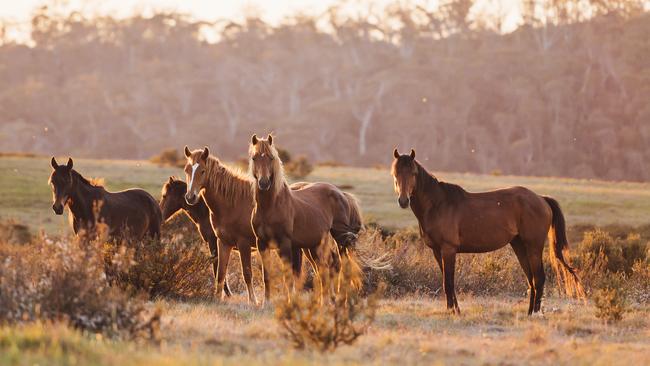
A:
x,y
559,246
367,256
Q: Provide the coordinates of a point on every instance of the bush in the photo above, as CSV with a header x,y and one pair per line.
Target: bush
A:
x,y
64,280
341,319
610,299
12,232
169,157
177,266
284,155
299,168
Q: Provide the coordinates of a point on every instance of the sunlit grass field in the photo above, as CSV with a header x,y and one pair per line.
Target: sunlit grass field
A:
x,y
411,329
25,195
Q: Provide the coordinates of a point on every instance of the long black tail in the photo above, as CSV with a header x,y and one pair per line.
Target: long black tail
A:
x,y
559,246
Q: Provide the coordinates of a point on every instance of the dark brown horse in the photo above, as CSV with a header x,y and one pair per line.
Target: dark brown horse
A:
x,y
453,221
302,218
229,196
133,213
173,200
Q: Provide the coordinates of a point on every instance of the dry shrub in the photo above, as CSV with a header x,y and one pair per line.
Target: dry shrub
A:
x,y
414,268
331,164
299,168
284,155
169,157
638,283
64,280
178,265
341,318
610,298
13,232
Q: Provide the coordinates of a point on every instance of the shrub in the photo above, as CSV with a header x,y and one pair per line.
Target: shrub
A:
x,y
324,325
299,168
610,299
169,157
64,280
13,232
178,265
284,155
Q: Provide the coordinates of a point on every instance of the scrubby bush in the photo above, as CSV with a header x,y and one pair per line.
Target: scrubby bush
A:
x,y
178,265
64,280
284,155
299,168
308,321
13,232
610,298
169,157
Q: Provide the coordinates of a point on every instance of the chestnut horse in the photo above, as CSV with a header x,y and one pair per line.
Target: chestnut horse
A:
x,y
173,200
302,218
453,220
229,196
133,213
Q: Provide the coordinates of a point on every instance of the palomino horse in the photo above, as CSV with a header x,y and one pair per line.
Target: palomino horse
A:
x,y
173,200
229,196
302,218
132,212
453,220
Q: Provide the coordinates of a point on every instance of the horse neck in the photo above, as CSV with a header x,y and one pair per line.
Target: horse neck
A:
x,y
84,195
427,192
224,190
199,213
271,197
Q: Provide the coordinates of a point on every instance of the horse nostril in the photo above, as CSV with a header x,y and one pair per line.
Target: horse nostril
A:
x,y
403,202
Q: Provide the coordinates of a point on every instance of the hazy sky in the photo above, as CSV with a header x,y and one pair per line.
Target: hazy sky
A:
x,y
270,10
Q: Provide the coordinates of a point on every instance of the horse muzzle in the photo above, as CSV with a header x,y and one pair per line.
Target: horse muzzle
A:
x,y
58,208
264,184
191,198
403,202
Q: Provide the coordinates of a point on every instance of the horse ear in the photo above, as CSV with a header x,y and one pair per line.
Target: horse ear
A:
x,y
254,139
54,163
205,154
187,152
171,179
395,153
69,165
412,154
270,139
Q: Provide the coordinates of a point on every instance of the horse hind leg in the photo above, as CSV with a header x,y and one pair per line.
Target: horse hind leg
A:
x,y
537,270
519,248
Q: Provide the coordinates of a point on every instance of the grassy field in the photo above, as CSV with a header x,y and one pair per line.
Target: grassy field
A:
x,y
410,329
25,195
491,331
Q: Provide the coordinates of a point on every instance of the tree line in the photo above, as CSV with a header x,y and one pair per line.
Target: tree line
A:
x,y
564,94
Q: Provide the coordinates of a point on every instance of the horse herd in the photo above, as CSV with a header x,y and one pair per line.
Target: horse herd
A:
x,y
262,211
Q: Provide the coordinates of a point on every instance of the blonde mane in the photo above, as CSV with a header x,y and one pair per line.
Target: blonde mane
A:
x,y
228,182
264,147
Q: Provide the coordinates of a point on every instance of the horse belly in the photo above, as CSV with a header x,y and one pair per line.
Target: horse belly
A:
x,y
487,236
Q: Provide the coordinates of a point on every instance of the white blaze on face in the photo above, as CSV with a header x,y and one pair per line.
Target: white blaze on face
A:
x,y
194,167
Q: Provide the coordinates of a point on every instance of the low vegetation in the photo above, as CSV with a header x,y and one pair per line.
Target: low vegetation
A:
x,y
169,157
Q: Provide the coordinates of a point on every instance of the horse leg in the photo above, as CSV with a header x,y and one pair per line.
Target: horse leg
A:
x,y
246,270
296,265
520,250
448,265
312,256
539,277
286,254
263,249
222,268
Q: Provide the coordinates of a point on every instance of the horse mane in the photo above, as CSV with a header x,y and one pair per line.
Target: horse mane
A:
x,y
93,182
229,182
263,146
452,192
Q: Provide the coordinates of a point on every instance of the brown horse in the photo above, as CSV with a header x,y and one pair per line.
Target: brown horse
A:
x,y
133,213
453,220
229,196
302,218
173,200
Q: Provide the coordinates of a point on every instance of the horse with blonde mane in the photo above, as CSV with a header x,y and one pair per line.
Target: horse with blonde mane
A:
x,y
228,194
303,218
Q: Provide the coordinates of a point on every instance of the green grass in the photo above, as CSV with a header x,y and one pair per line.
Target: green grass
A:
x,y
25,195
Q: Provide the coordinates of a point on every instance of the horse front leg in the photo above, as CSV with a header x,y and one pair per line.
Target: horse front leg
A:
x,y
265,255
448,265
286,254
222,268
